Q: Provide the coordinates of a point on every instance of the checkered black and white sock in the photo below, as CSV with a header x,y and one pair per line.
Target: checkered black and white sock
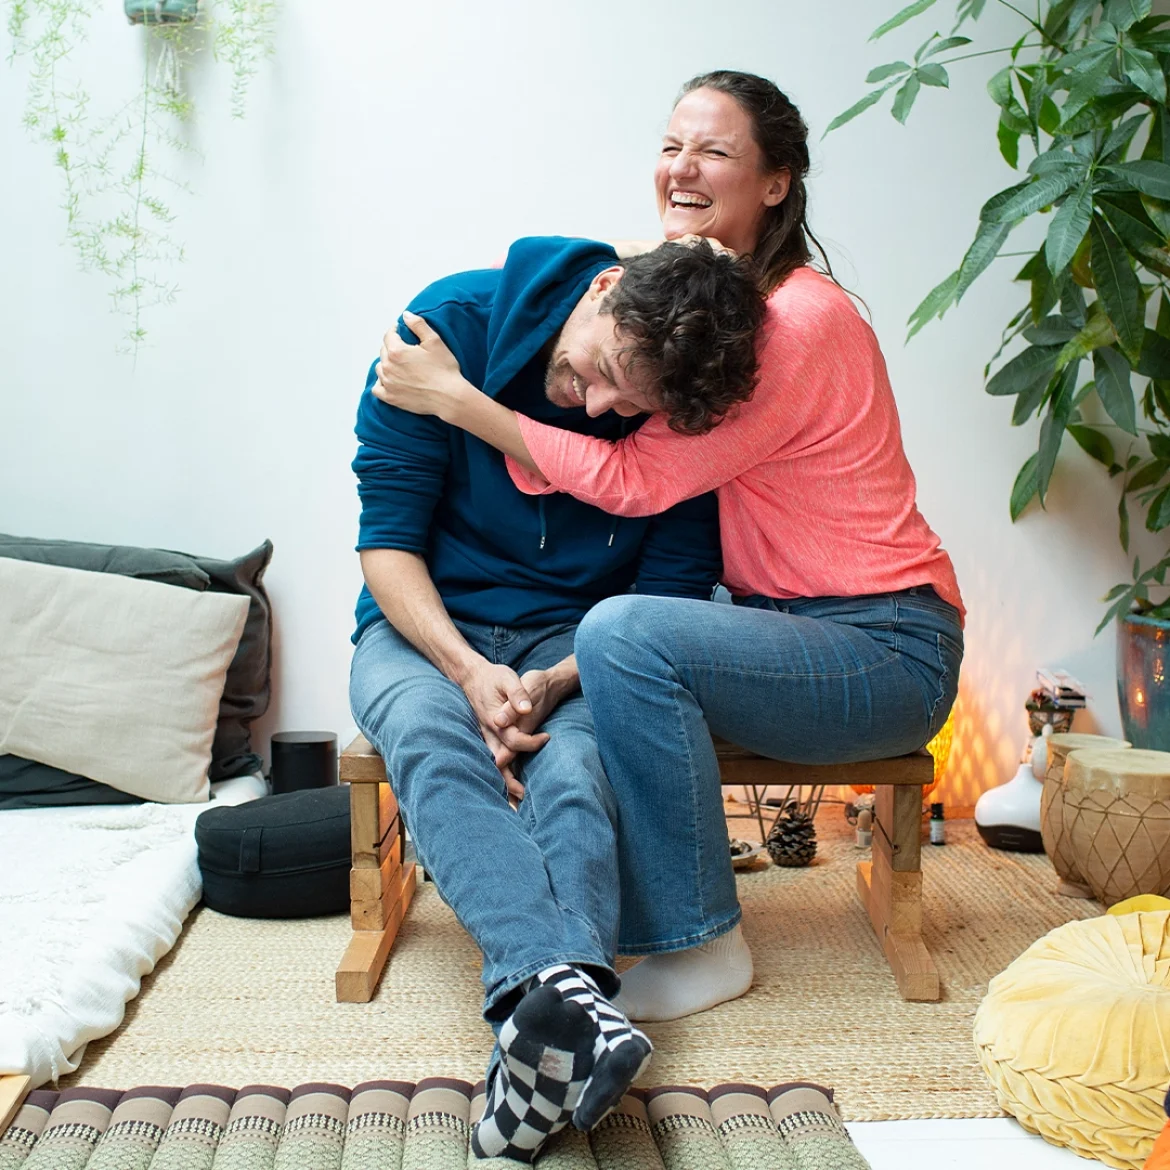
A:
x,y
620,1051
546,1056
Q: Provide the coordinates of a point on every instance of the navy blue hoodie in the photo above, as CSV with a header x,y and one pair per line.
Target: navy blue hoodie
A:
x,y
496,555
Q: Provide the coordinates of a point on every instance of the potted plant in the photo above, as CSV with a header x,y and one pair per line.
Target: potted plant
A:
x,y
1081,111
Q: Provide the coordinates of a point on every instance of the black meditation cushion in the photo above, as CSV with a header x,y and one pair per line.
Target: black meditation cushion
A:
x,y
285,856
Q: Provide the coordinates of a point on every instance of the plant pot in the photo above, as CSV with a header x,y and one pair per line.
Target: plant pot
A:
x,y
1143,691
160,11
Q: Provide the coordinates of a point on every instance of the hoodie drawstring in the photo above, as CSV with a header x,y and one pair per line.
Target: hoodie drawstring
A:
x,y
616,520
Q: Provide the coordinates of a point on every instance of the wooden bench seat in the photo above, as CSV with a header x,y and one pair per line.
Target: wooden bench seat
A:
x,y
382,881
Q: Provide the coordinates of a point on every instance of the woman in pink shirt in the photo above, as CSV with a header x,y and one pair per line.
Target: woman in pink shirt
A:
x,y
845,639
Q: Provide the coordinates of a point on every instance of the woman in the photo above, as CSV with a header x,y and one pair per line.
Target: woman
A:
x,y
846,637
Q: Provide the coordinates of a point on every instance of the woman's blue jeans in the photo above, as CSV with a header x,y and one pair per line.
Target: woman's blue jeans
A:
x,y
532,887
825,680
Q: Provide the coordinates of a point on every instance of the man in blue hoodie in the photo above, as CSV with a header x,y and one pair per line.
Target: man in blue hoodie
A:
x,y
473,592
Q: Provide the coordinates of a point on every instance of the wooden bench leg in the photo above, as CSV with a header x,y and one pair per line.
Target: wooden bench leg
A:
x,y
364,959
381,885
890,888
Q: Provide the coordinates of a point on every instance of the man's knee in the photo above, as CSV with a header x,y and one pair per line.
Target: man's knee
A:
x,y
567,772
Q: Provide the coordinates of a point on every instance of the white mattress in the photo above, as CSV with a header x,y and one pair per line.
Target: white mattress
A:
x,y
90,899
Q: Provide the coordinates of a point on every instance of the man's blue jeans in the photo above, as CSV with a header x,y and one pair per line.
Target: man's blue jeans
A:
x,y
532,887
828,680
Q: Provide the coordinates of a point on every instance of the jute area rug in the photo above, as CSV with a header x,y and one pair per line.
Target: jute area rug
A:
x,y
245,1001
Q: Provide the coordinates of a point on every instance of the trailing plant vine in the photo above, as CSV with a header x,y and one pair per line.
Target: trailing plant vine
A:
x,y
1084,86
115,165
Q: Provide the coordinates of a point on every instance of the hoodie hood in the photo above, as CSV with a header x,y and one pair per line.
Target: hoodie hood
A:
x,y
538,288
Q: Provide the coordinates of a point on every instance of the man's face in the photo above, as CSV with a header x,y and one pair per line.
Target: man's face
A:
x,y
587,367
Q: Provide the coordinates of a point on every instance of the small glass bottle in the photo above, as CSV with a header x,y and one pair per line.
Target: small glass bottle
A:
x,y
938,826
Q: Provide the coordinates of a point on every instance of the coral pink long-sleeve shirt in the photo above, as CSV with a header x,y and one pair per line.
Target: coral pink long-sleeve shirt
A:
x,y
816,498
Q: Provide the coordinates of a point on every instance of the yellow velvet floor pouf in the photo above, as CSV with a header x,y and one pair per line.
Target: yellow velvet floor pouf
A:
x,y
1075,1036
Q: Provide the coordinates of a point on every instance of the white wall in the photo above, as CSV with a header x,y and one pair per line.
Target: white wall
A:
x,y
388,144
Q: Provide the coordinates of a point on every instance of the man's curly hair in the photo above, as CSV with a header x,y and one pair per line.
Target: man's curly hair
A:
x,y
689,316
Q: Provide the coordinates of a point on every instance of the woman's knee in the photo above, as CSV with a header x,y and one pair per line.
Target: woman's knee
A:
x,y
617,630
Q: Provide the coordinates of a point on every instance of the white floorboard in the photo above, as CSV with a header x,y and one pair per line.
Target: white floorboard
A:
x,y
974,1144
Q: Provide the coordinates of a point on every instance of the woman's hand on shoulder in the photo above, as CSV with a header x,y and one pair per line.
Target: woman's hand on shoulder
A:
x,y
423,378
690,239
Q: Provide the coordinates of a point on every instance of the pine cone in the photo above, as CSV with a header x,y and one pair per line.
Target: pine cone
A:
x,y
793,839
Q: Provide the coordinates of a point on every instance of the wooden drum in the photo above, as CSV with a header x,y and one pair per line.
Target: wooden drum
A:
x,y
1053,831
1117,820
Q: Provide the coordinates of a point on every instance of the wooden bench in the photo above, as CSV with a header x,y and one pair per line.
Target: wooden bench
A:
x,y
890,885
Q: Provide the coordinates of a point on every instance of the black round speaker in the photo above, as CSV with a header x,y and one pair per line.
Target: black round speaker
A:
x,y
303,759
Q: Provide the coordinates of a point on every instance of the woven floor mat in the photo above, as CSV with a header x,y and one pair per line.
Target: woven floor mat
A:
x,y
394,1125
242,1000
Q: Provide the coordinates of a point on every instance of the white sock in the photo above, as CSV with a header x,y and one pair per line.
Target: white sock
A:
x,y
666,987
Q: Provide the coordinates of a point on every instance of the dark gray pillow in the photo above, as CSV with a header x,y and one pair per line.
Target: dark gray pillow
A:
x,y
247,686
27,784
150,564
246,690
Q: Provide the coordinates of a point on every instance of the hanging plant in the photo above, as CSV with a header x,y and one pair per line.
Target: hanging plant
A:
x,y
114,165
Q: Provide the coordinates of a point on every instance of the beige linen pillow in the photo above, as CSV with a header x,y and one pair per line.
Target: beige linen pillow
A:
x,y
114,678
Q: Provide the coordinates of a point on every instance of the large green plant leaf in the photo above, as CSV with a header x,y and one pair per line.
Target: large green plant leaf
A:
x,y
1145,175
1098,114
1068,227
1026,198
1009,144
1024,489
1033,365
1111,376
1059,161
1045,289
1145,72
1065,19
1154,361
984,248
1128,219
1093,443
882,72
933,74
1117,287
900,18
1124,13
1030,399
1120,137
944,45
1052,429
1159,213
1146,476
1096,332
904,98
1054,330
1158,513
934,304
870,99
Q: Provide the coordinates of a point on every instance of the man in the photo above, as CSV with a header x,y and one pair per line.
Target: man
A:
x,y
473,592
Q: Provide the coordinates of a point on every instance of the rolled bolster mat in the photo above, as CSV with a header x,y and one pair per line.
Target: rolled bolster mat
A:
x,y
285,856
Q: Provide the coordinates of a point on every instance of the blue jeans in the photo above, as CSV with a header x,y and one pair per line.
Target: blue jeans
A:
x,y
532,887
820,680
